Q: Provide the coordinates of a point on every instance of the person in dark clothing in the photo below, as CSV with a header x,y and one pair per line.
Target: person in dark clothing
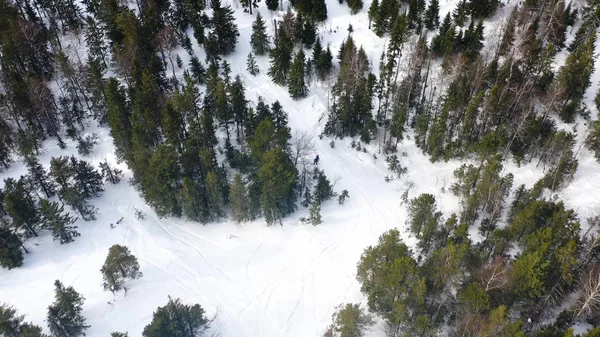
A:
x,y
316,160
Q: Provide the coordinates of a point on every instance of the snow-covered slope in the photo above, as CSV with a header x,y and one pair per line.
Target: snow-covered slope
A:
x,y
260,281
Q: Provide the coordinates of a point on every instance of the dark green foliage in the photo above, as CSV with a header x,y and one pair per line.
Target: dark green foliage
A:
x,y
323,60
224,28
389,278
323,189
424,219
272,4
177,320
249,4
277,175
351,106
296,78
432,15
239,200
350,320
11,255
39,176
319,10
64,314
161,182
574,78
119,334
259,40
251,65
11,324
52,217
373,11
119,266
355,6
119,115
314,217
281,56
549,236
20,206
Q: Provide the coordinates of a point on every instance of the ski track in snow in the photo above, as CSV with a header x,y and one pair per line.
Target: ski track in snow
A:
x,y
260,281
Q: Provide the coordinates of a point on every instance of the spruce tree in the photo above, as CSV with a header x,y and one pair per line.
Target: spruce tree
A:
x,y
10,321
11,255
319,10
296,84
281,57
355,6
239,201
432,15
177,319
161,182
249,4
64,315
309,33
373,11
193,200
61,225
272,4
259,40
119,266
224,28
20,206
39,176
251,65
574,78
314,217
119,115
324,64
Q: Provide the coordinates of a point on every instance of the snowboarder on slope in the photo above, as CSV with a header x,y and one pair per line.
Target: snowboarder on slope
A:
x,y
316,160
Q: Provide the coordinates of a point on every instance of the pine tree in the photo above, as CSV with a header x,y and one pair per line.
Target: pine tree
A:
x,y
119,334
249,4
259,40
574,78
119,266
10,321
281,57
64,315
161,182
177,319
20,206
309,33
88,181
277,176
323,189
239,201
61,225
350,320
111,175
251,65
193,200
224,28
214,195
11,255
373,11
314,217
355,6
324,64
119,116
296,84
39,176
432,15
272,4
319,10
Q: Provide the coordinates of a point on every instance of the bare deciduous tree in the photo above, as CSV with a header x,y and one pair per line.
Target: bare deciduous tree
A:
x,y
589,303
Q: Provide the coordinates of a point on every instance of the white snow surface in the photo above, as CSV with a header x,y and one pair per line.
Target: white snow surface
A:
x,y
259,280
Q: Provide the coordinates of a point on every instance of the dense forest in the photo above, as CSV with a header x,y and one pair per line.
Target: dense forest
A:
x,y
515,261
